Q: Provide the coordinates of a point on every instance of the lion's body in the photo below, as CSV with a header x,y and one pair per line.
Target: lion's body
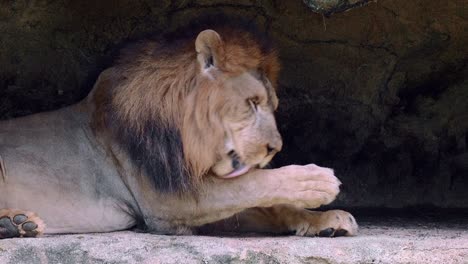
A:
x,y
153,143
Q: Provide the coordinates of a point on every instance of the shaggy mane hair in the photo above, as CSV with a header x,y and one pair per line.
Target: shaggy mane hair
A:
x,y
157,107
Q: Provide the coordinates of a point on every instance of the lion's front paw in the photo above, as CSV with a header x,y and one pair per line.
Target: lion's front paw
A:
x,y
308,186
16,223
333,223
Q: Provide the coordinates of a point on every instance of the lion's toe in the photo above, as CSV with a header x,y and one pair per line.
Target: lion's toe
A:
x,y
336,223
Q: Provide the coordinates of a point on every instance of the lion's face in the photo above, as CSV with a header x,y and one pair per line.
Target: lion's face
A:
x,y
244,107
251,136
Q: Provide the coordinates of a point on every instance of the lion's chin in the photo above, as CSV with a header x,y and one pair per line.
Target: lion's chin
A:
x,y
237,172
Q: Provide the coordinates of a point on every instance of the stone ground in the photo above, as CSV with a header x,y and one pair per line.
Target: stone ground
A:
x,y
389,240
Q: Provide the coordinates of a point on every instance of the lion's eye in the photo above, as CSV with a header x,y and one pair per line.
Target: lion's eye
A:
x,y
253,102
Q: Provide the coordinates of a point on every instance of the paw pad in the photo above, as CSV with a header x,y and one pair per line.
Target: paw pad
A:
x,y
19,224
341,232
330,232
18,219
326,232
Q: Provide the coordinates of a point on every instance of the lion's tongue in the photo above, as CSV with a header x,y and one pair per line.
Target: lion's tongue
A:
x,y
238,172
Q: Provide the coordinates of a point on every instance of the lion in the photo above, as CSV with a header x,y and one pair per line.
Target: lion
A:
x,y
173,139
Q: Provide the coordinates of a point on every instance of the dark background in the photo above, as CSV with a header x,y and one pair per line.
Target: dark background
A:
x,y
380,93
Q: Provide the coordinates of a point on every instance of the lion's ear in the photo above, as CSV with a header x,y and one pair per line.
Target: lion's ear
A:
x,y
209,49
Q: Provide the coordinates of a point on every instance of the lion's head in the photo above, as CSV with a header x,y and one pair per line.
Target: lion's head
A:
x,y
195,106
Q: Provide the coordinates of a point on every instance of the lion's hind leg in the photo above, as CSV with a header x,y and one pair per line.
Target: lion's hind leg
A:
x,y
17,223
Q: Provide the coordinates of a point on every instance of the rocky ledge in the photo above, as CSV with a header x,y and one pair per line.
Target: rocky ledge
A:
x,y
392,241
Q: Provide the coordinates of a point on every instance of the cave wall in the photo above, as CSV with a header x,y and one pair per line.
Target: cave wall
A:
x,y
380,92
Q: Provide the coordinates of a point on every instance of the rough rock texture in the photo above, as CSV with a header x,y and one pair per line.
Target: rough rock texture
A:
x,y
389,242
379,92
328,7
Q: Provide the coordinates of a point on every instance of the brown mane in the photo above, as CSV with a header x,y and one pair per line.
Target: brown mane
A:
x,y
155,105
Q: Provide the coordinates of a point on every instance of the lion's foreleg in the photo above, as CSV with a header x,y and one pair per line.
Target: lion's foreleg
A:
x,y
302,186
286,219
